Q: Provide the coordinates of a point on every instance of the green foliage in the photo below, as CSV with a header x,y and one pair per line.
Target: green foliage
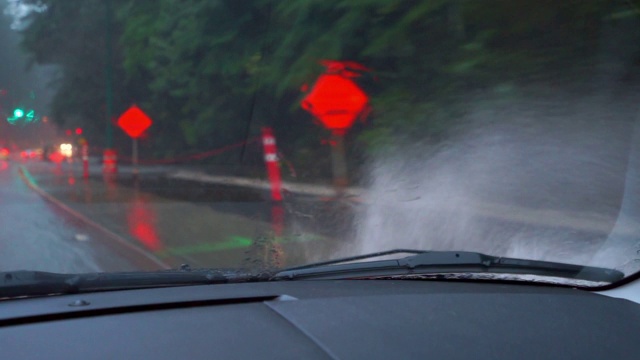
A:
x,y
204,69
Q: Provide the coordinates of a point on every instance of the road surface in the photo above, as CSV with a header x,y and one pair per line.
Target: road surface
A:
x,y
37,235
155,222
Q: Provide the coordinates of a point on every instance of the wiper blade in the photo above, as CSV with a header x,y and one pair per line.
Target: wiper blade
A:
x,y
359,257
432,262
37,283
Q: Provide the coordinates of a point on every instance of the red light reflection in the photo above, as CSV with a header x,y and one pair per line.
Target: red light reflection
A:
x,y
56,157
142,224
345,68
277,219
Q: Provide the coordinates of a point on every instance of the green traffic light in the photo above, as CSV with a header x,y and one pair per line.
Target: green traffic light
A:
x,y
18,113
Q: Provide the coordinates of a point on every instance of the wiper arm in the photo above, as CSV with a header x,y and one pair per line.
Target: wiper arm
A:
x,y
431,262
359,257
37,283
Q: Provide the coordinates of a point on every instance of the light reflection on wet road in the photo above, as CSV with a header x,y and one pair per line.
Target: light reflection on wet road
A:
x,y
219,228
36,235
142,224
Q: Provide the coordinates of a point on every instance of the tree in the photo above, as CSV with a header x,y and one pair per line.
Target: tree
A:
x,y
211,72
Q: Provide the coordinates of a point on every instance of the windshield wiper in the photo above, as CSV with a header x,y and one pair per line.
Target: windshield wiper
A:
x,y
440,262
38,283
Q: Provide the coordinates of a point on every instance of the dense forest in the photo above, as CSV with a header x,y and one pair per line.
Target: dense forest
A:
x,y
212,72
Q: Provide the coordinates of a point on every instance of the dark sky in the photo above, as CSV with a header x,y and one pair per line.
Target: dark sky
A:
x,y
28,89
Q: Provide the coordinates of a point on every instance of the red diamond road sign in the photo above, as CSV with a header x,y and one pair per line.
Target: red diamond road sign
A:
x,y
336,101
134,122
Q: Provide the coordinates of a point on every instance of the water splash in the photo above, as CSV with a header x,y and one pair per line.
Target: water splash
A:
x,y
540,178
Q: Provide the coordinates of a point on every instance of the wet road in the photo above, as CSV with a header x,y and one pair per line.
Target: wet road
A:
x,y
37,235
180,222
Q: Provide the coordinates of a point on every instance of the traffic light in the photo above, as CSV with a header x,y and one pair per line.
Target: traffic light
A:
x,y
31,115
26,116
78,131
18,113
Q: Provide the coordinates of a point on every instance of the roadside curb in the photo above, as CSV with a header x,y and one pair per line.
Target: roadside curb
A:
x,y
305,189
28,179
356,194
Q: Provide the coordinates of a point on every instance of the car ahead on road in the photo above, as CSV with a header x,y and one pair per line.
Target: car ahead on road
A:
x,y
441,305
31,154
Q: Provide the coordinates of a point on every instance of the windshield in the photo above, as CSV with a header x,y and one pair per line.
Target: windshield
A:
x,y
264,134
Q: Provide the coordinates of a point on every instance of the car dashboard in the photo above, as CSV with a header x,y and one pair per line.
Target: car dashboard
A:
x,y
324,319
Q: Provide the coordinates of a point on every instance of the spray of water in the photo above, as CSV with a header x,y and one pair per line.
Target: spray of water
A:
x,y
541,178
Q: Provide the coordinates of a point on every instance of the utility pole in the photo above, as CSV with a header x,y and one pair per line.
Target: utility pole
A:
x,y
109,71
339,162
109,156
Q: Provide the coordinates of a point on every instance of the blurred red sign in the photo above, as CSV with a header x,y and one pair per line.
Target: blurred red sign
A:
x,y
134,122
335,99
